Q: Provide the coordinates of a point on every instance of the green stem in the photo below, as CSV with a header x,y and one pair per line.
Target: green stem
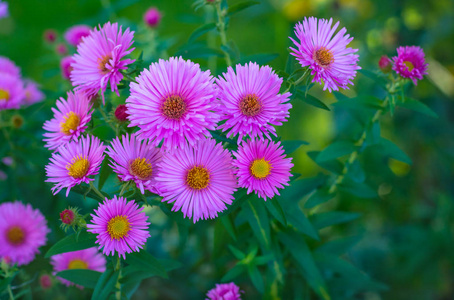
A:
x,y
118,284
10,292
106,119
129,78
221,28
92,186
297,82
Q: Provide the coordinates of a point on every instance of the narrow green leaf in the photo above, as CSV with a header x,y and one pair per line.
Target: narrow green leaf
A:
x,y
334,166
356,172
311,100
233,272
297,218
330,218
104,174
380,80
361,190
228,226
394,151
86,278
291,146
69,243
340,246
335,150
318,197
105,285
416,105
240,6
82,190
201,31
258,219
256,278
144,261
341,97
236,252
274,207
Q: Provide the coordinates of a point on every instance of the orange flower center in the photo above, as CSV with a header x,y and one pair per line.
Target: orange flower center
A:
x,y
174,107
140,168
4,95
118,227
198,178
77,264
250,105
15,235
71,122
78,168
323,57
260,168
102,64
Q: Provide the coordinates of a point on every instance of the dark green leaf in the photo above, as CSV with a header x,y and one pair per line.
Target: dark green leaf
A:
x,y
311,100
104,174
258,219
233,272
274,207
335,150
240,6
144,261
330,218
82,190
86,278
318,197
105,285
361,190
228,226
394,151
201,31
334,166
380,80
356,172
341,97
237,253
340,246
256,278
291,146
416,105
69,243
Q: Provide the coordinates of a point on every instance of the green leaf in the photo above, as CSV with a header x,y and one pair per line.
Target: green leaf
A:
x,y
311,100
303,256
233,272
360,103
104,174
86,278
318,197
334,166
105,285
274,207
82,190
297,218
240,6
236,252
144,261
228,226
258,219
335,150
201,31
291,146
416,105
261,59
394,151
341,97
340,246
70,243
356,172
361,190
330,218
256,278
380,80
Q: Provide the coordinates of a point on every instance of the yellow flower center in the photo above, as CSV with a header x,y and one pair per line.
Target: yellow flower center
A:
x,y
198,178
409,65
15,235
102,64
78,167
174,107
4,95
250,105
323,57
77,264
118,227
260,168
71,122
140,168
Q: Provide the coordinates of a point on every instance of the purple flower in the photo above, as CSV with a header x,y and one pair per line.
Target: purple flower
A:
x,y
99,59
224,291
11,91
410,63
74,163
250,101
262,167
87,259
173,102
65,66
120,226
152,17
75,34
22,231
135,160
32,92
4,10
70,120
9,67
200,181
331,62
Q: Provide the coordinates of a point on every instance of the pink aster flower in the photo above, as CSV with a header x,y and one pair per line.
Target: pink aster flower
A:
x,y
250,101
11,91
75,34
9,67
410,63
32,92
87,259
22,231
70,120
174,102
135,160
262,167
99,59
331,62
224,291
200,181
152,17
120,226
74,163
65,66
4,10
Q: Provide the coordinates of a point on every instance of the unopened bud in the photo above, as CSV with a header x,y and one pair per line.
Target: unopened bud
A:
x,y
152,17
45,281
385,64
67,217
120,113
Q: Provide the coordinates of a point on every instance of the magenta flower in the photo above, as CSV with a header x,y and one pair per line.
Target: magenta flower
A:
x,y
99,59
65,66
120,226
135,160
332,63
4,12
410,63
32,93
152,17
87,259
9,67
74,163
200,181
224,291
70,120
173,102
75,34
262,167
22,231
250,101
11,91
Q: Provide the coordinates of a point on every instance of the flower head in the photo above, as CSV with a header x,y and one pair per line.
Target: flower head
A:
x,y
174,102
32,92
65,66
87,259
4,10
250,101
410,63
200,181
331,62
11,91
135,160
22,231
152,17
120,226
70,120
75,34
99,59
262,167
224,291
9,67
74,163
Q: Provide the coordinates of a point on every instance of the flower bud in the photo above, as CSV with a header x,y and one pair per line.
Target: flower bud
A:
x,y
50,36
152,17
67,216
120,113
17,121
45,281
62,49
385,64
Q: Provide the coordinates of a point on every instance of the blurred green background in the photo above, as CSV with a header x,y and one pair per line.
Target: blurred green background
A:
x,y
406,234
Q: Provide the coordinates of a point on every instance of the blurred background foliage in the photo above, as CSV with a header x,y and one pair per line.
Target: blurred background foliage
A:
x,y
403,238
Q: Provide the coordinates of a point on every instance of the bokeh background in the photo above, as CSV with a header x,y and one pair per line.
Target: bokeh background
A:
x,y
404,236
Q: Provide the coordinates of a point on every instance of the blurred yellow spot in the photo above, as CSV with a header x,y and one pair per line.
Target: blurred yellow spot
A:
x,y
295,10
15,235
398,168
412,18
409,65
4,95
77,264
